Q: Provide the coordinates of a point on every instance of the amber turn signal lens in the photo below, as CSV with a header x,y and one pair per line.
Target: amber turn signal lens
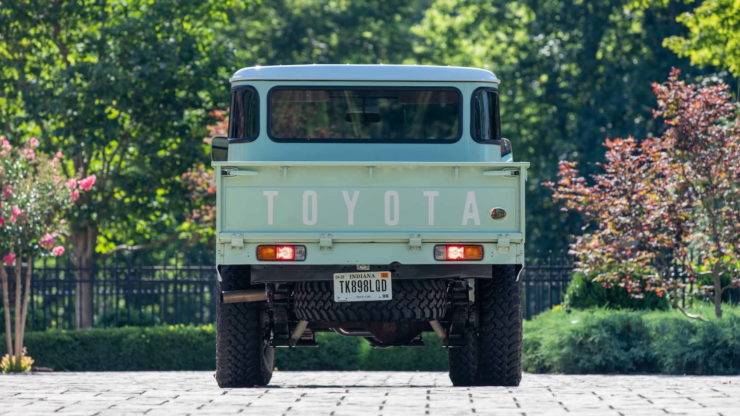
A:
x,y
458,252
281,253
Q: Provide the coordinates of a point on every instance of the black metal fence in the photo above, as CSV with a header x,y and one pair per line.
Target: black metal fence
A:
x,y
185,294
544,281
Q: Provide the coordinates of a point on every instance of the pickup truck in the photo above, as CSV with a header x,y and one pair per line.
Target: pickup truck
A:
x,y
373,201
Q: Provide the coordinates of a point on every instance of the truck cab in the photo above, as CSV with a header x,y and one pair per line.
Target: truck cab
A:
x,y
377,201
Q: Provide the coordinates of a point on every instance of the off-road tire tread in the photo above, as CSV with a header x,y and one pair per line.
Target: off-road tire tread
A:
x,y
492,354
413,300
500,329
242,357
463,362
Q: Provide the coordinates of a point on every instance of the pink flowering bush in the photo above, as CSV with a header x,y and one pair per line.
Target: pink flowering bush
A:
x,y
34,199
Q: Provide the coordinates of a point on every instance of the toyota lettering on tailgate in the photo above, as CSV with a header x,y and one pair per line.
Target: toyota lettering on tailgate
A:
x,y
391,205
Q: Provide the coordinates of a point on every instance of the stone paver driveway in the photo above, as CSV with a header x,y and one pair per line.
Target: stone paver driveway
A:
x,y
364,393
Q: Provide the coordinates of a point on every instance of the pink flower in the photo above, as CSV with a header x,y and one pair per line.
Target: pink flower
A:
x,y
9,259
7,191
74,195
2,220
59,155
28,154
48,240
15,212
71,183
5,144
87,183
57,251
33,142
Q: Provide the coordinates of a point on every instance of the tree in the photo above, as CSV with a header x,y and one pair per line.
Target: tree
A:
x,y
704,149
714,34
658,200
34,200
572,73
125,87
284,32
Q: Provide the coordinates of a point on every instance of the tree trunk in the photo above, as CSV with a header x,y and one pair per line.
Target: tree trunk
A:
x,y
83,249
17,310
717,295
6,307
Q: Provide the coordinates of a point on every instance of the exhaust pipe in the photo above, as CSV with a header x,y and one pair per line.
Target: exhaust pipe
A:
x,y
297,332
250,295
437,327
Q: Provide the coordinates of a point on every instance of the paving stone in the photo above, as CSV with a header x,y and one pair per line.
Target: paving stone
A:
x,y
364,393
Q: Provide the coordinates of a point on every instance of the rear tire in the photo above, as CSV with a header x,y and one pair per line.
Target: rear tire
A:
x,y
493,351
244,357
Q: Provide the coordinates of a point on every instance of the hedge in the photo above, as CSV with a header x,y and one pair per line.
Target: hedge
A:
x,y
575,342
607,341
193,348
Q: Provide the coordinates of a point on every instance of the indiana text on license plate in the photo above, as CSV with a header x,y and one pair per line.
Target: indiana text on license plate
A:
x,y
362,286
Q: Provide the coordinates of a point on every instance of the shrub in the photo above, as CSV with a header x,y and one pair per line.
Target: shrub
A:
x,y
127,317
431,357
687,347
335,353
577,342
11,365
132,348
603,341
584,293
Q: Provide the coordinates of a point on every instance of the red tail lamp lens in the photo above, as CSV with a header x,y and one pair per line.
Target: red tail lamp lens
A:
x,y
281,253
458,252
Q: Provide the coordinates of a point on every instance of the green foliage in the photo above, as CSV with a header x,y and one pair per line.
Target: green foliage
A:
x,y
572,73
584,293
174,348
133,348
283,32
125,86
714,35
9,364
599,341
431,357
589,341
335,352
126,317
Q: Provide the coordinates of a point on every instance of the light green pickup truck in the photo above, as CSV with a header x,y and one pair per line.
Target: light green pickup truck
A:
x,y
377,201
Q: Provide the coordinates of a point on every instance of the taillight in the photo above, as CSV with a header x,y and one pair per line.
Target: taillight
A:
x,y
281,253
458,252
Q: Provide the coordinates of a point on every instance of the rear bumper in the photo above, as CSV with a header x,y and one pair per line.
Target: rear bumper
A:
x,y
302,273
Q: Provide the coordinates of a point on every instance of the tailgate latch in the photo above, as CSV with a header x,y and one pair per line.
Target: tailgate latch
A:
x,y
237,241
325,241
503,244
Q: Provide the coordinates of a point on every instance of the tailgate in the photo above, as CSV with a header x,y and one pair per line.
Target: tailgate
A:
x,y
369,202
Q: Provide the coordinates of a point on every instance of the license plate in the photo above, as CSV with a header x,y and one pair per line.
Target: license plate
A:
x,y
362,286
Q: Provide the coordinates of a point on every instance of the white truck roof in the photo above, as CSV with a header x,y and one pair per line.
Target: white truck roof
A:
x,y
412,73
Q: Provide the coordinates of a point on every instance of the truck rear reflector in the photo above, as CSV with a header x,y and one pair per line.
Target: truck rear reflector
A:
x,y
458,252
281,253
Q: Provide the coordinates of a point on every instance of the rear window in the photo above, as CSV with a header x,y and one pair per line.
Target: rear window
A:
x,y
365,114
486,125
244,114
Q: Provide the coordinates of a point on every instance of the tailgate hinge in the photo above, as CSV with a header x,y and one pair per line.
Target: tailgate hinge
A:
x,y
325,241
415,241
503,244
236,240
